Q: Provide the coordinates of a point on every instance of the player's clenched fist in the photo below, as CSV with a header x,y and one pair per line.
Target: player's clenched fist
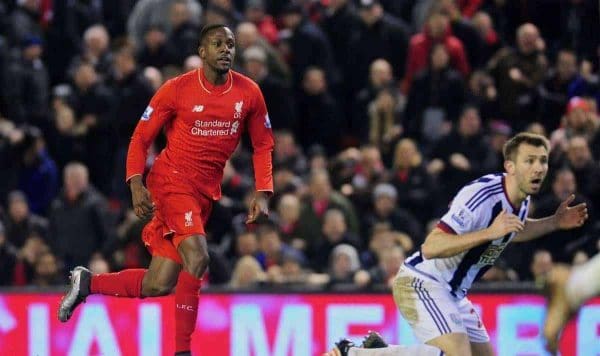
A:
x,y
504,224
140,197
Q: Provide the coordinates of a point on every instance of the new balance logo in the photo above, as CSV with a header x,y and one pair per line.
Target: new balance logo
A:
x,y
188,219
198,108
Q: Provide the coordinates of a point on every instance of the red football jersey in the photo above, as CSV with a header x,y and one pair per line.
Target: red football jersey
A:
x,y
203,124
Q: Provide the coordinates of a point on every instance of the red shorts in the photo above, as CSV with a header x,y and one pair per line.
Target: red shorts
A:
x,y
180,211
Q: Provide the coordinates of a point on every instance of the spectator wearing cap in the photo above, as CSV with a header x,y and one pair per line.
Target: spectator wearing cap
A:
x,y
26,87
20,222
517,73
579,120
8,259
379,35
308,45
414,185
554,91
343,265
255,12
386,210
247,36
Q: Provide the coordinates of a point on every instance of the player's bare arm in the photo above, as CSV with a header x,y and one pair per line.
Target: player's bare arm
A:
x,y
564,218
440,244
140,197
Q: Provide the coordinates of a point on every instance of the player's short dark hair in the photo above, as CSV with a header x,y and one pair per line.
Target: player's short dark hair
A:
x,y
512,146
207,29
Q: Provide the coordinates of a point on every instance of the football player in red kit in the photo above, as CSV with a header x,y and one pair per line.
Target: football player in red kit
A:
x,y
204,113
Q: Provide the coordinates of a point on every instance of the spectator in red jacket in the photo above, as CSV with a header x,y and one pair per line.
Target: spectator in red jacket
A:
x,y
436,30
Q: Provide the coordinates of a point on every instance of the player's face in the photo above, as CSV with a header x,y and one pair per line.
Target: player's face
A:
x,y
530,167
218,50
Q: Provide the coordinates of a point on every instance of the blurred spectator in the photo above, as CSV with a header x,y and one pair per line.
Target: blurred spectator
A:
x,y
149,13
384,120
191,63
322,197
436,30
578,121
288,213
333,233
437,96
308,46
587,171
20,222
482,93
379,35
92,103
368,172
554,91
95,51
499,133
561,244
247,273
98,264
26,87
154,50
413,184
47,271
464,30
380,78
255,13
27,258
154,76
271,248
78,219
321,116
246,244
390,261
278,96
8,259
386,210
541,264
462,155
182,41
517,73
234,187
38,174
491,41
343,264
24,21
287,154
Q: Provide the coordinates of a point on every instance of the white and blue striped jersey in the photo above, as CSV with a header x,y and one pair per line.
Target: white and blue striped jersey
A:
x,y
474,208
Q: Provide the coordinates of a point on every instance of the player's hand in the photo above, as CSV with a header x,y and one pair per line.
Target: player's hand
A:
x,y
570,217
504,224
259,208
141,199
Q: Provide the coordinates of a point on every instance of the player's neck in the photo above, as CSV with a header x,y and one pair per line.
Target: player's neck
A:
x,y
513,193
213,77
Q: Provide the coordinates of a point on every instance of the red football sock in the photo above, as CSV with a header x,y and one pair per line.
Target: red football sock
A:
x,y
127,283
186,309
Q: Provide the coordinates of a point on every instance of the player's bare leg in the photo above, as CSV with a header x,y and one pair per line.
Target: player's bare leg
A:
x,y
568,289
482,349
452,344
159,279
194,254
559,311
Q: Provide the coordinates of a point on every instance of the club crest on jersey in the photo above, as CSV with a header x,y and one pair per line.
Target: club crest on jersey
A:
x,y
267,121
188,219
238,109
147,113
198,108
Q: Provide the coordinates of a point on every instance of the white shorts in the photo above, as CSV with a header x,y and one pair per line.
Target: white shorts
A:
x,y
432,311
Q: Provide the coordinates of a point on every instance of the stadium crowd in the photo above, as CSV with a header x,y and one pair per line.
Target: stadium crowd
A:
x,y
381,110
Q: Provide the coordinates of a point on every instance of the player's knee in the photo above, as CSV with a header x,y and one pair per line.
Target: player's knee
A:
x,y
154,288
196,263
